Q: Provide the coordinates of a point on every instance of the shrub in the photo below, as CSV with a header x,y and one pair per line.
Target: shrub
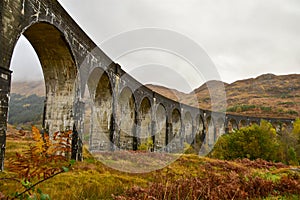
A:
x,y
44,159
265,108
292,112
249,142
241,108
146,146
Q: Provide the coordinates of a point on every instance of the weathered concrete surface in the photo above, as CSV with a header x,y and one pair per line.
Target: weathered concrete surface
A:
x,y
63,49
5,78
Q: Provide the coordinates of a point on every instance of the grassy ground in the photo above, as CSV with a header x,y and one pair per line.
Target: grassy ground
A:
x,y
189,177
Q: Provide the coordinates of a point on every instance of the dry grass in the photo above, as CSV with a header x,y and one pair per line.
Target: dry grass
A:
x,y
91,179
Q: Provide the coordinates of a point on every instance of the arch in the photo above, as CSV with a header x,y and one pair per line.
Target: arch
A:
x,y
176,123
175,140
60,71
242,123
220,128
210,131
142,97
277,126
232,125
24,50
100,89
145,123
199,132
287,125
252,122
160,127
200,123
188,128
126,123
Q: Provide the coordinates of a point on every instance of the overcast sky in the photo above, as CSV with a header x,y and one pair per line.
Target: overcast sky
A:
x,y
243,38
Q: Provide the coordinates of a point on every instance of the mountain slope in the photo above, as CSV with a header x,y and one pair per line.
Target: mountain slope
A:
x,y
25,109
26,103
267,95
28,88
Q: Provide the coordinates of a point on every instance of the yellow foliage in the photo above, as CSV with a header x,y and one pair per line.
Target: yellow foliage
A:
x,y
296,129
39,146
36,162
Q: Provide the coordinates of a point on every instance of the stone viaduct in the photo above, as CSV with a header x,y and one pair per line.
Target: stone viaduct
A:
x,y
124,113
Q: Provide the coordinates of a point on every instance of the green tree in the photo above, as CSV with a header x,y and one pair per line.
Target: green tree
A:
x,y
25,109
296,129
296,135
249,142
288,144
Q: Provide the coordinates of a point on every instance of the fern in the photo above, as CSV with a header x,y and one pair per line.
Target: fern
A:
x,y
44,159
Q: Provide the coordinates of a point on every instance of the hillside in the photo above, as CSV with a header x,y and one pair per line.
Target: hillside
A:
x,y
274,95
265,95
169,93
26,103
25,109
28,88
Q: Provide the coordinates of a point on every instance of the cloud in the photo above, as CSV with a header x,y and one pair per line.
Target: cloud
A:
x,y
244,38
25,63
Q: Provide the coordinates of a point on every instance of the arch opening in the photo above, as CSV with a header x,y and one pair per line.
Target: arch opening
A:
x,y
188,128
175,140
253,122
232,125
126,115
145,125
101,136
220,128
210,132
277,126
199,134
242,123
27,95
60,72
161,127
